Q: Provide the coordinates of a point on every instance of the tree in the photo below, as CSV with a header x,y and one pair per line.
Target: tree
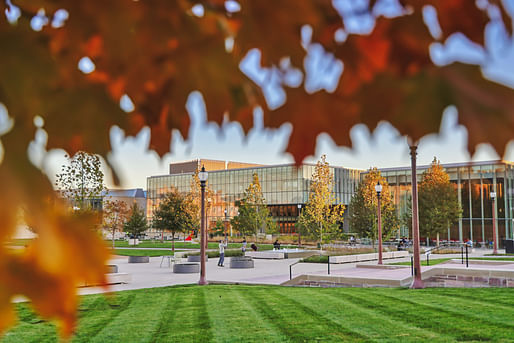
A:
x,y
173,214
253,214
321,216
195,198
82,181
439,206
114,216
388,75
136,223
363,208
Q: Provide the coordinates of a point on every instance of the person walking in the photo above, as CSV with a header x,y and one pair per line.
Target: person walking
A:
x,y
243,248
222,247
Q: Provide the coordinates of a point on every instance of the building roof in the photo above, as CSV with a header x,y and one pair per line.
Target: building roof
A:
x,y
258,167
448,165
126,193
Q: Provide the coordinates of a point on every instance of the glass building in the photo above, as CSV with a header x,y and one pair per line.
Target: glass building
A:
x,y
474,183
284,187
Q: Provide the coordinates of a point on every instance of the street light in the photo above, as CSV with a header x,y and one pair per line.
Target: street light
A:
x,y
378,189
202,175
299,234
495,248
226,223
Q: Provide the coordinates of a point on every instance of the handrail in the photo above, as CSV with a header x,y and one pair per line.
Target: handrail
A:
x,y
441,246
291,269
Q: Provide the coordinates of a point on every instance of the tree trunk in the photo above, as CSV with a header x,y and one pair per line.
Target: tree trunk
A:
x,y
438,239
162,236
321,236
173,242
113,229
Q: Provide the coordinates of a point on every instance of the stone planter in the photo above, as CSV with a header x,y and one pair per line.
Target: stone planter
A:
x,y
186,268
241,262
112,268
196,258
138,259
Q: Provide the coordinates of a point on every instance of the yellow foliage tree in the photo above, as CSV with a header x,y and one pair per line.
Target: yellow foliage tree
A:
x,y
321,215
115,214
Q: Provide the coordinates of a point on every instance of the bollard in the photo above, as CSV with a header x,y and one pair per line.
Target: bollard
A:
x,y
328,265
461,255
291,272
467,265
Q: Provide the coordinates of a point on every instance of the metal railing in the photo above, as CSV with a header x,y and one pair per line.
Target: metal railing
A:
x,y
292,264
291,269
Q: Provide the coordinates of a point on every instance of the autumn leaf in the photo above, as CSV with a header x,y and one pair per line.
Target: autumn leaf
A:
x,y
279,35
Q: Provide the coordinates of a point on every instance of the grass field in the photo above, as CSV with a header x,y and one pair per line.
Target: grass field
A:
x,y
234,313
141,252
180,245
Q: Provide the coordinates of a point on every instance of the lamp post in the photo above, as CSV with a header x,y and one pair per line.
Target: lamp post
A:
x,y
495,247
226,223
202,175
378,189
417,282
299,234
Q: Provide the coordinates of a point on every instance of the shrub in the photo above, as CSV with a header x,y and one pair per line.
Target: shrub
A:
x,y
316,259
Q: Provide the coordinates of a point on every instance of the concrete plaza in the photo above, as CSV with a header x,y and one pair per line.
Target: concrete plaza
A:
x,y
265,272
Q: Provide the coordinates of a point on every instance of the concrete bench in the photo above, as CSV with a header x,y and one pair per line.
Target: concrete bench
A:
x,y
367,257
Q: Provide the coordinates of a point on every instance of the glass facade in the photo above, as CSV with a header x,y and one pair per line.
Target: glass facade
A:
x,y
474,183
284,187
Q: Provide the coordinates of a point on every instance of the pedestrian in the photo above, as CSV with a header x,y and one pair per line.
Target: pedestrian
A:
x,y
222,247
276,245
243,248
254,247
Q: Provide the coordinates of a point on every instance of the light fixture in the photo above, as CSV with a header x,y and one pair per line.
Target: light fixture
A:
x,y
203,175
378,188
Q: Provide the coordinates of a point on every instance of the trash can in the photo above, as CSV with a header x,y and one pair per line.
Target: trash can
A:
x,y
509,246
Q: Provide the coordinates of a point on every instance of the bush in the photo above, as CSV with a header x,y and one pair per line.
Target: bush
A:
x,y
316,259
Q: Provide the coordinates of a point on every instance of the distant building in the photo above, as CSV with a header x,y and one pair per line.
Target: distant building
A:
x,y
474,183
284,187
129,196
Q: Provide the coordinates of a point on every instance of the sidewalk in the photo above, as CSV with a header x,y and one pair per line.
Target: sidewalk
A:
x,y
269,272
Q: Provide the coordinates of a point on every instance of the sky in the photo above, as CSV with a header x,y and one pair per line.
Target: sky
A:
x,y
381,146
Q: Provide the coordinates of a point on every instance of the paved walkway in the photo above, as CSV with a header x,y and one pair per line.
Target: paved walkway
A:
x,y
269,272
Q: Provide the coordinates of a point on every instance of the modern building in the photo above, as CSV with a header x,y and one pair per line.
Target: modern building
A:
x,y
474,183
128,196
285,187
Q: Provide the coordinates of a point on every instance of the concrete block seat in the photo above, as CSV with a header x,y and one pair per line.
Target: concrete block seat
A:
x,y
241,262
186,268
196,258
367,257
138,259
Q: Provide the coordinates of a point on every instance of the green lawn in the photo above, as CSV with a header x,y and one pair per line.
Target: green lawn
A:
x,y
167,244
182,245
141,252
235,313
